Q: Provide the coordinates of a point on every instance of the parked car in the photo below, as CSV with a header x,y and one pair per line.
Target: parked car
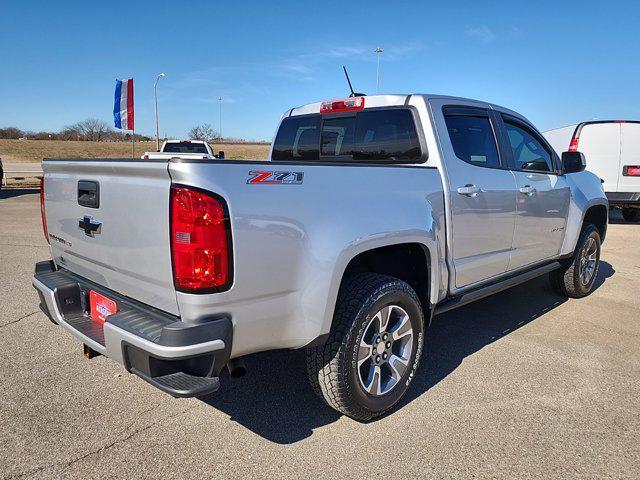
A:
x,y
187,149
612,148
373,215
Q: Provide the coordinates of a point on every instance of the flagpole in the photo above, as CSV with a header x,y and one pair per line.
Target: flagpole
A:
x,y
133,142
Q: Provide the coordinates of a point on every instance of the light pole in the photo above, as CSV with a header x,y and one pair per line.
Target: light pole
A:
x,y
378,51
220,117
155,104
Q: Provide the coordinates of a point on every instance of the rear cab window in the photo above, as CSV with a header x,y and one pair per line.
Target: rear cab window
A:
x,y
377,135
185,147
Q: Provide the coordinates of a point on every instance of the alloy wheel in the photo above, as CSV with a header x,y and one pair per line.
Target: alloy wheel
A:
x,y
588,261
385,350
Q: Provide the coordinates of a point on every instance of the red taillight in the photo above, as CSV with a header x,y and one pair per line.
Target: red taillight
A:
x,y
631,171
353,103
42,212
200,241
573,146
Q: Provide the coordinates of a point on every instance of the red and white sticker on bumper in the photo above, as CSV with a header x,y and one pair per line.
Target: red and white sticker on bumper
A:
x,y
101,306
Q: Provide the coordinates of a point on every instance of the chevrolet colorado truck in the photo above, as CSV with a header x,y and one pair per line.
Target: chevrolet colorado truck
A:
x,y
373,215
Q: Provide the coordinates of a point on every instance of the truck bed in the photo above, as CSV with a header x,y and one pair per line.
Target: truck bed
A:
x,y
286,269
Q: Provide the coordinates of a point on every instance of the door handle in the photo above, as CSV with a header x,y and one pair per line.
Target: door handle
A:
x,y
528,190
469,190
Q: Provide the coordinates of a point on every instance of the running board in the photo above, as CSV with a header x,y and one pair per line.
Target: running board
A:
x,y
481,292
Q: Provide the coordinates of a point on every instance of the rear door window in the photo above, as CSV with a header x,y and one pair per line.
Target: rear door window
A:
x,y
473,140
380,135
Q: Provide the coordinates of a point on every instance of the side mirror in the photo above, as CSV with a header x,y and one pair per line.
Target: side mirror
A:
x,y
573,162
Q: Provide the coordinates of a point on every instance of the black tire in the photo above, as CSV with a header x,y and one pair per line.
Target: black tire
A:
x,y
631,214
334,369
570,279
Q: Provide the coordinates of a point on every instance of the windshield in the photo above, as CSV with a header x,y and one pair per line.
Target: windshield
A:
x,y
185,147
380,135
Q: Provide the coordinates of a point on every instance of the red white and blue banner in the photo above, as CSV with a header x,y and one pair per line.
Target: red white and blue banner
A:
x,y
123,105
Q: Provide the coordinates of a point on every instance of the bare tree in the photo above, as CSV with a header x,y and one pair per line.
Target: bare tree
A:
x,y
70,132
11,133
40,135
95,129
91,129
203,132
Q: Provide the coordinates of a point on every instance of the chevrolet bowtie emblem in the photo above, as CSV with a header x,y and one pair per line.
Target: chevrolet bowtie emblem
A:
x,y
89,225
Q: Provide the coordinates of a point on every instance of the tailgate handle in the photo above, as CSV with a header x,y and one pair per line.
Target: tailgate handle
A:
x,y
88,193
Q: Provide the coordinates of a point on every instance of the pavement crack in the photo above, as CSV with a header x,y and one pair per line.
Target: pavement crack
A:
x,y
127,437
17,320
21,245
68,463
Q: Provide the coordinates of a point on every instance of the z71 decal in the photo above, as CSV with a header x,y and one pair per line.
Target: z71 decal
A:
x,y
276,178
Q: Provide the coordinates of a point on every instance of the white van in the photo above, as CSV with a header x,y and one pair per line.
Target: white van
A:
x,y
612,151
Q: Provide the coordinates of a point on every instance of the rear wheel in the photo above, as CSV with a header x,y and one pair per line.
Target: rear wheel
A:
x,y
631,214
374,348
577,276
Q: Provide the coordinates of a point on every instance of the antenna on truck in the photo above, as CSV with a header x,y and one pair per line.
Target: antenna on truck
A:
x,y
353,94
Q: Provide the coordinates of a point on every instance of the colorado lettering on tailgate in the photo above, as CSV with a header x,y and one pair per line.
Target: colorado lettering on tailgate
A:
x,y
275,178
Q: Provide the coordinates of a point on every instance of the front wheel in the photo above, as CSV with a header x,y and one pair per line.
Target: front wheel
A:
x,y
577,276
374,347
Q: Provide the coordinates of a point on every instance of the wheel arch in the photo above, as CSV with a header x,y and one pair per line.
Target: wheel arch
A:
x,y
598,215
584,210
409,262
394,259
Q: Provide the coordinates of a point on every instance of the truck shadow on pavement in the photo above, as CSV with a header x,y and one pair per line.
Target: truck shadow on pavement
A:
x,y
16,192
274,400
615,218
459,333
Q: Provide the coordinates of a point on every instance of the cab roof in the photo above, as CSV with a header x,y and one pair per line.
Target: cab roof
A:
x,y
391,100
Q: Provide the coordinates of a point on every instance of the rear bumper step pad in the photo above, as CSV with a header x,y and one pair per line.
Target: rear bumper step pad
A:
x,y
180,384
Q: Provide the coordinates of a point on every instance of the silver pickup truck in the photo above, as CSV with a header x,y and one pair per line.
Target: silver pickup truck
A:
x,y
373,215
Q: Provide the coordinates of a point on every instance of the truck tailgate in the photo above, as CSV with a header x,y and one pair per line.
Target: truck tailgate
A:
x,y
122,241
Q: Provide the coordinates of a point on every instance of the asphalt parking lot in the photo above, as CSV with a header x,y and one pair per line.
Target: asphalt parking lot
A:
x,y
523,384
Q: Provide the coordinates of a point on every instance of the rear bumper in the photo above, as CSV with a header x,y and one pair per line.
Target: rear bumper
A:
x,y
623,198
182,359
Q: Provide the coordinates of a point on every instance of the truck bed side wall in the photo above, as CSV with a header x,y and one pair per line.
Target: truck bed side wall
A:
x,y
292,243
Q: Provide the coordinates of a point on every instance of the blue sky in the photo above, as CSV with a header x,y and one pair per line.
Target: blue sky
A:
x,y
556,62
